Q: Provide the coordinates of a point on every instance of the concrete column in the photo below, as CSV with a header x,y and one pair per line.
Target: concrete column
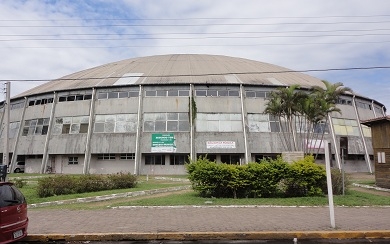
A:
x,y
244,123
373,108
366,155
336,149
137,161
46,147
87,154
192,127
15,150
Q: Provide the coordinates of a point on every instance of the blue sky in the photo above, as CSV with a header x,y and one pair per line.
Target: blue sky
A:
x,y
43,40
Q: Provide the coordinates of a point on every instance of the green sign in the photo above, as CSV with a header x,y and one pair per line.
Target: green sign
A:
x,y
163,143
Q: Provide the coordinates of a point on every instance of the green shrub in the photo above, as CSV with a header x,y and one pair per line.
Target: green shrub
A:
x,y
269,178
122,180
92,183
337,182
305,178
66,184
265,177
20,183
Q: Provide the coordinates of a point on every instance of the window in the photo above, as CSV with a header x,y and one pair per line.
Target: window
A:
x,y
258,123
127,156
107,156
74,97
378,110
154,159
217,93
13,130
177,159
113,95
41,101
116,123
73,160
259,158
168,92
256,94
17,105
218,122
102,96
37,126
71,125
210,157
166,122
345,127
34,156
133,94
8,193
320,128
230,159
274,123
381,157
150,93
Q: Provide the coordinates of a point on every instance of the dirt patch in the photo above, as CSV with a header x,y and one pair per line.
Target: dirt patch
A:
x,y
364,177
370,191
360,176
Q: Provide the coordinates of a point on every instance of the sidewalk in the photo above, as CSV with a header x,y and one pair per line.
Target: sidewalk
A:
x,y
208,223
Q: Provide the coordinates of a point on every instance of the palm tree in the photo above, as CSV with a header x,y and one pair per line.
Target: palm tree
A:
x,y
274,108
327,100
284,103
304,112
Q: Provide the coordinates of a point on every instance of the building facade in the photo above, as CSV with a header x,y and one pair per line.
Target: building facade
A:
x,y
149,115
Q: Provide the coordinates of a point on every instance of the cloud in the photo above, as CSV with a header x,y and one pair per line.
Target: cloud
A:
x,y
297,34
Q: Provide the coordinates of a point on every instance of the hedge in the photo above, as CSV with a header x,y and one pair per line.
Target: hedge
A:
x,y
68,184
269,178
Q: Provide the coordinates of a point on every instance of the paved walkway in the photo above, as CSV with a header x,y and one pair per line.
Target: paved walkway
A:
x,y
206,223
210,220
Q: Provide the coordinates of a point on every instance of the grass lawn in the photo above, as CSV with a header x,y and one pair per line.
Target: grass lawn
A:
x,y
29,190
352,197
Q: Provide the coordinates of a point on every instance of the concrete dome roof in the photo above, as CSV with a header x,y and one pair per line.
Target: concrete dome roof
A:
x,y
179,69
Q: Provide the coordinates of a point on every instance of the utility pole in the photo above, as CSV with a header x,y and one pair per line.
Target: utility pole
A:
x,y
6,125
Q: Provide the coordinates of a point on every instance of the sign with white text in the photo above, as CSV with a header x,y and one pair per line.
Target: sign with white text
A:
x,y
221,144
163,143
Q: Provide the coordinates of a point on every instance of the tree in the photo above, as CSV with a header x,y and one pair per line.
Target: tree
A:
x,y
327,100
304,112
284,104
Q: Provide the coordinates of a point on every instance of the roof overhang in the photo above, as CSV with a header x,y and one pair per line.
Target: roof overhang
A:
x,y
377,120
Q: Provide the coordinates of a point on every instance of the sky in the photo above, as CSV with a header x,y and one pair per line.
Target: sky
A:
x,y
41,40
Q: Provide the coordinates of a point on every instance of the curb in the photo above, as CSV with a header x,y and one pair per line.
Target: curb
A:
x,y
197,236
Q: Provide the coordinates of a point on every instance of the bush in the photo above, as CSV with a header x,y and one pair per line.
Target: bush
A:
x,y
20,183
265,178
92,183
305,178
337,182
66,184
269,178
122,180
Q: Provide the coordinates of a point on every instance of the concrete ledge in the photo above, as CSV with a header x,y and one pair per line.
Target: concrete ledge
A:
x,y
195,236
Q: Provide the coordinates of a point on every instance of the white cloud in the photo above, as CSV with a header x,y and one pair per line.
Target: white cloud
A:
x,y
325,48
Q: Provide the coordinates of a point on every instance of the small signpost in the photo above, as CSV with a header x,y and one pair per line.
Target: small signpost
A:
x,y
324,145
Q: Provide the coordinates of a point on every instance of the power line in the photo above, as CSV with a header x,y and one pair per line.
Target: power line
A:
x,y
189,33
202,25
202,18
195,45
198,75
192,38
